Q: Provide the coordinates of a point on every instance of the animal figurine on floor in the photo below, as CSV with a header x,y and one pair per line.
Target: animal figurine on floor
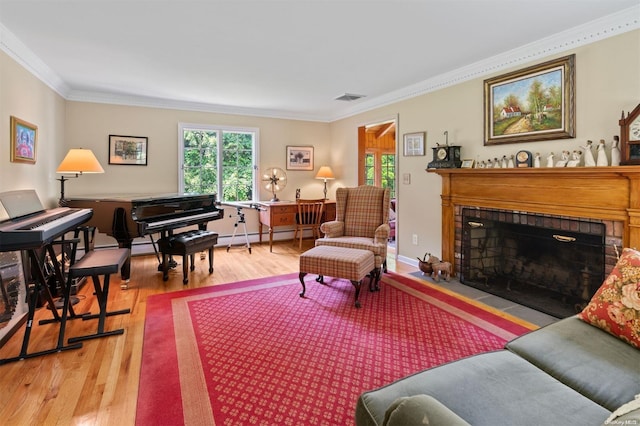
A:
x,y
436,267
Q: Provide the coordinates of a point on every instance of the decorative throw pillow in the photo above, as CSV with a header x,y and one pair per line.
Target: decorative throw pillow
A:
x,y
615,307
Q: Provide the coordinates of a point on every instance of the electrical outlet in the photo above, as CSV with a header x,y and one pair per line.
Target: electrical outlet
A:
x,y
406,178
414,239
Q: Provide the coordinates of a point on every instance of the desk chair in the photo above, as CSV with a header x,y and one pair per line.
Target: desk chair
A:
x,y
309,216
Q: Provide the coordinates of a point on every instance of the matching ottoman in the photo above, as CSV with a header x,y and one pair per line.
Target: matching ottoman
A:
x,y
338,262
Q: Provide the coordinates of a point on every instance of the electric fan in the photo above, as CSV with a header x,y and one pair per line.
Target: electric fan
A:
x,y
274,179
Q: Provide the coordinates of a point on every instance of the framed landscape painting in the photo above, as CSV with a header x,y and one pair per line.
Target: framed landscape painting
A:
x,y
532,104
130,150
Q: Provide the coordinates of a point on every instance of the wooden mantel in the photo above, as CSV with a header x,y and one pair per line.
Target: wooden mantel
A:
x,y
604,193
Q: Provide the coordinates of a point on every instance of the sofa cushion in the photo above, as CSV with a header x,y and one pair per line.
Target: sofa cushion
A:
x,y
420,410
615,307
490,388
594,363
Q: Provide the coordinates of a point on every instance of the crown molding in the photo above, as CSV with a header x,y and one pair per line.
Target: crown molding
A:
x,y
20,53
599,29
608,26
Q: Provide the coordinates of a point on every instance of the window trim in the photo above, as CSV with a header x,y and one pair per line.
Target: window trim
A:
x,y
220,129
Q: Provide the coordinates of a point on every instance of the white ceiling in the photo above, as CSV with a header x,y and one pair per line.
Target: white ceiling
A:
x,y
289,58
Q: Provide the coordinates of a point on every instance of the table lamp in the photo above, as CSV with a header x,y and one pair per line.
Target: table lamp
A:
x,y
78,161
325,173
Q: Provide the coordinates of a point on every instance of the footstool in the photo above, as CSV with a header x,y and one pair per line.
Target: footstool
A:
x,y
338,262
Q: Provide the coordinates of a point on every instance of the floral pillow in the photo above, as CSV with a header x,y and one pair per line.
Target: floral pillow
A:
x,y
615,307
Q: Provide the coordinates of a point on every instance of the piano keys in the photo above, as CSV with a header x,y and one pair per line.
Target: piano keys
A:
x,y
126,217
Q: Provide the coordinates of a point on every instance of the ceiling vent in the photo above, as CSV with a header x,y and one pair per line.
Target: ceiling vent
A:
x,y
348,97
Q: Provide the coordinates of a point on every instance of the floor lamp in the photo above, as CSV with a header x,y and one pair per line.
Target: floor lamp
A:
x,y
326,174
78,161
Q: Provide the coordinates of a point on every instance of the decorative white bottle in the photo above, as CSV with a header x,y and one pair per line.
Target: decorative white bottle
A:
x,y
615,151
536,160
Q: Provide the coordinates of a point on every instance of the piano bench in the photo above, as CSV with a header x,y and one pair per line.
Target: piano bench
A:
x,y
186,244
93,264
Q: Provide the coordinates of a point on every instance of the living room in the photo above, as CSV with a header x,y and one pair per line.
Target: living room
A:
x,y
607,63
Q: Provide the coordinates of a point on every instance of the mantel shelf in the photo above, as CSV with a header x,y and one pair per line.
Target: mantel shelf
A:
x,y
543,171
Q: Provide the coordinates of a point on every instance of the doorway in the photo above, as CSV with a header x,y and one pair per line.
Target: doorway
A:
x,y
377,163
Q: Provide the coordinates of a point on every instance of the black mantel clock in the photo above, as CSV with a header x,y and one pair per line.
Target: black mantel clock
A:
x,y
630,137
445,157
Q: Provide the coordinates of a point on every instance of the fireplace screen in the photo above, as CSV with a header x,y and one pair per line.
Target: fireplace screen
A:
x,y
551,264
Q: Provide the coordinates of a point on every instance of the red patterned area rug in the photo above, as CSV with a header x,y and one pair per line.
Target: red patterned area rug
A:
x,y
254,352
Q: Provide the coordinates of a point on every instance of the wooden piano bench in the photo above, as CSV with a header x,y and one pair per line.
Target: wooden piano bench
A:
x,y
93,264
186,244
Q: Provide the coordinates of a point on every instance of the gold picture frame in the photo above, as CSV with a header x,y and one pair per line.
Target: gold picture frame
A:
x,y
532,104
467,164
24,138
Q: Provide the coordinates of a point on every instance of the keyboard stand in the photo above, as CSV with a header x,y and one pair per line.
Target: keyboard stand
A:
x,y
33,291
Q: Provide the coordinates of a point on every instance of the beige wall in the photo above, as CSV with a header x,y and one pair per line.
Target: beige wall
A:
x,y
606,83
26,97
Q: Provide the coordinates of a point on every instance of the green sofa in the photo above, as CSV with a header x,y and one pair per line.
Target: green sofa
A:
x,y
566,373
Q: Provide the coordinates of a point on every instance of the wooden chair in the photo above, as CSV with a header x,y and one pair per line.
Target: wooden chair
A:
x,y
309,216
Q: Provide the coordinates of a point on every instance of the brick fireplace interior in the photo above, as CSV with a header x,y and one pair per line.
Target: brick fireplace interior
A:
x,y
545,237
553,264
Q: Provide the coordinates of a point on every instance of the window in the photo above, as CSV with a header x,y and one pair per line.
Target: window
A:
x,y
218,159
380,170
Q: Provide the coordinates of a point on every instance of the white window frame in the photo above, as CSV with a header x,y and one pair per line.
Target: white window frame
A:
x,y
220,129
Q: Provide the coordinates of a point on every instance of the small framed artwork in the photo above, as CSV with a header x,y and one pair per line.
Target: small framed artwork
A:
x,y
414,144
131,150
467,164
24,137
299,157
532,104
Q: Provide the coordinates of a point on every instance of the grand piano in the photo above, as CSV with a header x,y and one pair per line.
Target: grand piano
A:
x,y
125,217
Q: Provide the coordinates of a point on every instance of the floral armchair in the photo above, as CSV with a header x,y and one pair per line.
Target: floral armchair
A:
x,y
362,216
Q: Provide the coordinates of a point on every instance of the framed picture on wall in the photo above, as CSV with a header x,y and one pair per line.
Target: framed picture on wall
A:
x,y
24,137
299,157
414,143
131,150
532,104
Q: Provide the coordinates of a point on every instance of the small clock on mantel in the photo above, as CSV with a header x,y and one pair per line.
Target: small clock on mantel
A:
x,y
445,157
630,137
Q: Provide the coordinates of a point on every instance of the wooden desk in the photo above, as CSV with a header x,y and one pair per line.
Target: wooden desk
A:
x,y
283,213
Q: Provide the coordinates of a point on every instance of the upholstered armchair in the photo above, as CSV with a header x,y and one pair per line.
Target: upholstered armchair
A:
x,y
362,216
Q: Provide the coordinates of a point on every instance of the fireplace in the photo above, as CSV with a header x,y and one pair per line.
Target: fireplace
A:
x,y
565,199
551,264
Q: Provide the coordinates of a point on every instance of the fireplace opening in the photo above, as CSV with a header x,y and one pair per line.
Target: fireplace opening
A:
x,y
548,263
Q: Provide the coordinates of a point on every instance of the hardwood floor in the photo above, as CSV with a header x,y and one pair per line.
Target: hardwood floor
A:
x,y
98,383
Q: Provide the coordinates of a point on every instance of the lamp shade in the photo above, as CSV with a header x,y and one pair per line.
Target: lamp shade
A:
x,y
325,172
80,161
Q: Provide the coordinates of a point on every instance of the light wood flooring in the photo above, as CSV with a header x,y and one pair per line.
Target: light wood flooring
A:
x,y
98,383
